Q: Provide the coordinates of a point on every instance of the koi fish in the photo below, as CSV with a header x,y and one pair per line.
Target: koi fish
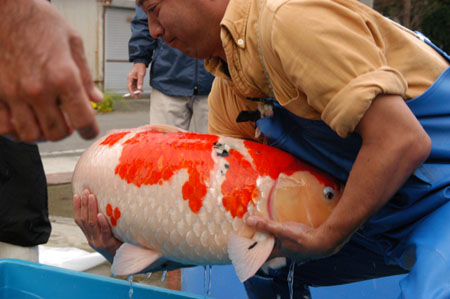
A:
x,y
184,196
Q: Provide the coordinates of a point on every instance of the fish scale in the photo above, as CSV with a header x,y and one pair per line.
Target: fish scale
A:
x,y
184,196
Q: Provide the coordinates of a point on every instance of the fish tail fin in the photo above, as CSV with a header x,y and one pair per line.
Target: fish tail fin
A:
x,y
248,255
131,259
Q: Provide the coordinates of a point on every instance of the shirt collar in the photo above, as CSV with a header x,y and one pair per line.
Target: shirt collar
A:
x,y
234,25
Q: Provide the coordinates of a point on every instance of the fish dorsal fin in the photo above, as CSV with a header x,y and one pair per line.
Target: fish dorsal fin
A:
x,y
164,128
131,259
248,255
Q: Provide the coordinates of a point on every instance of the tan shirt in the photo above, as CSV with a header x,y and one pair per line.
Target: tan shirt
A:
x,y
326,59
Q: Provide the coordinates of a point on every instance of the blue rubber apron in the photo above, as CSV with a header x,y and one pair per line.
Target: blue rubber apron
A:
x,y
405,229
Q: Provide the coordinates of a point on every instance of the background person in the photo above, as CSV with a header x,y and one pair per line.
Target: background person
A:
x,y
180,84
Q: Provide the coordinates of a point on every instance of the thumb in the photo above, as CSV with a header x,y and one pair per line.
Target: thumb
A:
x,y
140,80
265,225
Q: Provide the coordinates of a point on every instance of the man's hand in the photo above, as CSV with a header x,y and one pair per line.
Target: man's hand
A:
x,y
135,78
394,145
94,225
294,240
45,83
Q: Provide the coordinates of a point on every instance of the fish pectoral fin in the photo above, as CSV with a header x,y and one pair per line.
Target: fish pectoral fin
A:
x,y
131,259
248,255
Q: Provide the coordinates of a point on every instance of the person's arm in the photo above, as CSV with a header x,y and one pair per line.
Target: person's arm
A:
x,y
140,50
394,144
45,87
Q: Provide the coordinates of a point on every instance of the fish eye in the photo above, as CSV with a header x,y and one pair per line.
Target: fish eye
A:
x,y
328,193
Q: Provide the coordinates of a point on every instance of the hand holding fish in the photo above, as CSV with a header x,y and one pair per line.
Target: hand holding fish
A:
x,y
294,240
94,225
98,232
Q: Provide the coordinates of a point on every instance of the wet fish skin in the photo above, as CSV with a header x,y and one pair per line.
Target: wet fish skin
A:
x,y
184,196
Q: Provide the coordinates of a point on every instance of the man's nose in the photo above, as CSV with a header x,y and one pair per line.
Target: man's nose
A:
x,y
155,28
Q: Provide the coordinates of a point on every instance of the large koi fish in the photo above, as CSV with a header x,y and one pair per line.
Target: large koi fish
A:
x,y
184,196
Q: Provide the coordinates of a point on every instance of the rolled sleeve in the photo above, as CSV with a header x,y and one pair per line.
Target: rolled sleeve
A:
x,y
344,111
336,65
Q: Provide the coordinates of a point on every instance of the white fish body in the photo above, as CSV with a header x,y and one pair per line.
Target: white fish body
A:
x,y
183,196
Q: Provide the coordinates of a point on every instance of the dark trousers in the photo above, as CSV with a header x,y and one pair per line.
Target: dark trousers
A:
x,y
23,195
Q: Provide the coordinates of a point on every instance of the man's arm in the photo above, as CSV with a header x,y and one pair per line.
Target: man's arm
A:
x,y
45,83
140,50
394,144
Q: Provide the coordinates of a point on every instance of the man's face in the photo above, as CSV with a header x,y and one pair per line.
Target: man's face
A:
x,y
185,24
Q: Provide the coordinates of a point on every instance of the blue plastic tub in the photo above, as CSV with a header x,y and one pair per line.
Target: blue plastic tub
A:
x,y
226,285
27,280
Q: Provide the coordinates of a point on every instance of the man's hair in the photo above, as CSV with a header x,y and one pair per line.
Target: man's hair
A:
x,y
140,2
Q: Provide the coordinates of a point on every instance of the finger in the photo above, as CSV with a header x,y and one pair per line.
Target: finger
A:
x,y
66,118
104,226
76,201
84,209
24,122
6,126
140,80
92,210
94,228
52,121
131,81
78,55
265,225
78,108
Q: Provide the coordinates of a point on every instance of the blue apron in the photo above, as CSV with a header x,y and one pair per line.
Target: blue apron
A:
x,y
404,230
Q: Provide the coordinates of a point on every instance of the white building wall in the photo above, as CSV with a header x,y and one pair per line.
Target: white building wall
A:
x,y
86,16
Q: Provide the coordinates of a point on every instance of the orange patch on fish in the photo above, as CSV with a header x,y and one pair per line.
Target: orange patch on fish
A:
x,y
152,157
113,138
237,193
113,214
281,162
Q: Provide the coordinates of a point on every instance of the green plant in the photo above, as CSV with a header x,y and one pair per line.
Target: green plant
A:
x,y
108,103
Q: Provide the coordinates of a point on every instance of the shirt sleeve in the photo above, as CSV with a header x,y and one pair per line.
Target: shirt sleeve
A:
x,y
334,56
141,45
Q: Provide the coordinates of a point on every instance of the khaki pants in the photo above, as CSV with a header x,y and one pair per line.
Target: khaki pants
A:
x,y
187,113
9,251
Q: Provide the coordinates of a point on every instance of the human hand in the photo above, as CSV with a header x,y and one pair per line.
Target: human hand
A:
x,y
45,83
94,225
135,78
294,240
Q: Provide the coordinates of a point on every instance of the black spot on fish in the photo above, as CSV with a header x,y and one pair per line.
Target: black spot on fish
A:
x,y
224,153
227,166
252,246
